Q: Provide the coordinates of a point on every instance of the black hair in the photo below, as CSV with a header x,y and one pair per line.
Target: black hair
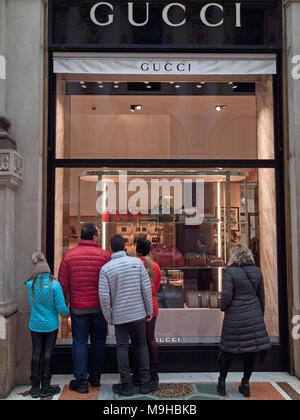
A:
x,y
143,246
88,231
117,243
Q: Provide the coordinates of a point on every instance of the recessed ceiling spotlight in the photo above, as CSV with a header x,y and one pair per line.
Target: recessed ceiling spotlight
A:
x,y
99,83
149,86
220,107
230,83
116,86
100,86
177,86
135,108
199,86
146,83
172,83
82,83
84,86
202,83
234,87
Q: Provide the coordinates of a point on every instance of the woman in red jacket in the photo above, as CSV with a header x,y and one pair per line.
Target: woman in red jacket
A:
x,y
143,252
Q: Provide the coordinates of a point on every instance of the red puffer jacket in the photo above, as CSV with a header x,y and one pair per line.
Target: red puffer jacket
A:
x,y
79,274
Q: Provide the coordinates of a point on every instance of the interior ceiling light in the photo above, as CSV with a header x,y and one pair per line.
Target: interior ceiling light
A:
x,y
134,108
82,83
149,86
230,83
116,86
220,107
177,86
199,86
234,87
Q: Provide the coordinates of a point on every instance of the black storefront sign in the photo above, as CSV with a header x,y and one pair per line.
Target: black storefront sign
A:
x,y
189,25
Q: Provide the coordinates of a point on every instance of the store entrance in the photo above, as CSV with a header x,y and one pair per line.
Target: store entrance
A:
x,y
151,139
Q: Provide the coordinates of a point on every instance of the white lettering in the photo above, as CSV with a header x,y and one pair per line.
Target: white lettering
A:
x,y
130,15
296,69
296,329
93,14
238,23
203,15
166,12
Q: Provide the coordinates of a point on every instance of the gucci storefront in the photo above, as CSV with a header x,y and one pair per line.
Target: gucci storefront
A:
x,y
165,123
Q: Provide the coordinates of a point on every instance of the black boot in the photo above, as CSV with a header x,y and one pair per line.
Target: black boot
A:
x,y
154,380
221,388
245,388
35,390
47,390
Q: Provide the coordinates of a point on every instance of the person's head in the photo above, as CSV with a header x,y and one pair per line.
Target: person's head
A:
x,y
143,247
40,263
117,243
41,267
240,254
89,232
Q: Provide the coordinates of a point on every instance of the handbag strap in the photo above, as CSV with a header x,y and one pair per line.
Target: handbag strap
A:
x,y
245,271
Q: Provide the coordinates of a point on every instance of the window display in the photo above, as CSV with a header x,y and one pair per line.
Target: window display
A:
x,y
192,252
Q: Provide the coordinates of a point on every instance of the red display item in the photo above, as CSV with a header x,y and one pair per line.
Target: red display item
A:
x,y
167,256
117,217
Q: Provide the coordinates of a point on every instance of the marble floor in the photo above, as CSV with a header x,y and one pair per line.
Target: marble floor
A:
x,y
183,386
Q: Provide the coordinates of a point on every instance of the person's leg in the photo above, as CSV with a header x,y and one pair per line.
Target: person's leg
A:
x,y
37,349
98,334
139,338
153,351
249,361
122,338
49,340
80,335
225,364
35,364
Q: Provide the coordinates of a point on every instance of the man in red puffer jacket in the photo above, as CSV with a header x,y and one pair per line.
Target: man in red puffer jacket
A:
x,y
79,278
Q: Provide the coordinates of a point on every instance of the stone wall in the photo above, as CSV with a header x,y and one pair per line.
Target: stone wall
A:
x,y
293,49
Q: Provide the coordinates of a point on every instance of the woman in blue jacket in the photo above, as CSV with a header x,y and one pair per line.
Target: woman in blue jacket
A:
x,y
47,301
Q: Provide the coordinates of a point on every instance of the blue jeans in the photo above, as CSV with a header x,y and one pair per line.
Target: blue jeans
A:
x,y
83,326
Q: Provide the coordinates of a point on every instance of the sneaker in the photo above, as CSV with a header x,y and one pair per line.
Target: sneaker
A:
x,y
123,389
94,380
79,386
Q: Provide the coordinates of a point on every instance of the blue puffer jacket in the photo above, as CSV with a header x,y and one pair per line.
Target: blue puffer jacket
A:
x,y
48,301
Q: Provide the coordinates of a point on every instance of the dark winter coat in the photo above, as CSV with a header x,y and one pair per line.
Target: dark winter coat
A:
x,y
243,301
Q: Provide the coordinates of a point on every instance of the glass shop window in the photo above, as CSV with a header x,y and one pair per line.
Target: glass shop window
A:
x,y
221,118
191,218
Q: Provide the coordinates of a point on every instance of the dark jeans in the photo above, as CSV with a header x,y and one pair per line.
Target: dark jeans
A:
x,y
42,346
137,332
83,326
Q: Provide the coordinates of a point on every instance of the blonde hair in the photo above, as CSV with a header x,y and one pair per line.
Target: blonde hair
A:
x,y
240,254
149,267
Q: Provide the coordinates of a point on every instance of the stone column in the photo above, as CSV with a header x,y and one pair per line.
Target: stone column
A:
x,y
292,9
11,165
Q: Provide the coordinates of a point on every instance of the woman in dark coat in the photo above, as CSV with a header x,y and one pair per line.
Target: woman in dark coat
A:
x,y
244,333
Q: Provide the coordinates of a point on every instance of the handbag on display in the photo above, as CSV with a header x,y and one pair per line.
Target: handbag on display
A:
x,y
169,296
193,259
214,300
124,230
167,255
215,261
